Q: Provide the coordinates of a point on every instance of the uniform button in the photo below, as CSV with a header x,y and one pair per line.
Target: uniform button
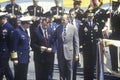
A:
x,y
91,34
91,37
91,40
21,53
3,49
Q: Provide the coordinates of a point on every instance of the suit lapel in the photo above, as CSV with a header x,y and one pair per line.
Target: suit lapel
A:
x,y
39,33
62,31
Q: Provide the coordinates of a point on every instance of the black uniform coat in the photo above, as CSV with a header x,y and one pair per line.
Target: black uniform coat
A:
x,y
35,10
6,31
89,35
13,8
21,45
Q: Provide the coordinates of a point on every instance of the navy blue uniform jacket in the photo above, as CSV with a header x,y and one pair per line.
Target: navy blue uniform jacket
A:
x,y
21,45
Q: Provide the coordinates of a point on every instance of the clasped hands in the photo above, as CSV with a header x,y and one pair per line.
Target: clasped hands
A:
x,y
43,48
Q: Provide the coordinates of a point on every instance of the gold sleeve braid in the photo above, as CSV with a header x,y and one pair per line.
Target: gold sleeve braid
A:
x,y
14,55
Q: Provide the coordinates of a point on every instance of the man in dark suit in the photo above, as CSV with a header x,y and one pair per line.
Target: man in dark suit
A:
x,y
20,49
68,47
14,11
6,30
42,49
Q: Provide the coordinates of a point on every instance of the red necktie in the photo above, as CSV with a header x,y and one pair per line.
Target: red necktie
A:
x,y
45,36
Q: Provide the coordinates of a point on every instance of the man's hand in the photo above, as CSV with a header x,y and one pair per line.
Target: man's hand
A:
x,y
43,48
15,62
49,50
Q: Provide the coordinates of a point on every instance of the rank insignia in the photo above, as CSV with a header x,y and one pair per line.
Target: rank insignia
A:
x,y
38,11
16,9
103,21
85,29
81,24
96,28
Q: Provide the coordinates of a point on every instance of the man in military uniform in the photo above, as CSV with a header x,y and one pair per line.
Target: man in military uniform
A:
x,y
56,12
79,11
14,11
91,31
35,9
20,49
13,8
100,15
115,23
6,31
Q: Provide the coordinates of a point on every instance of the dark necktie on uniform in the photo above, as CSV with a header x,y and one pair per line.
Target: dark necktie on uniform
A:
x,y
91,24
45,36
